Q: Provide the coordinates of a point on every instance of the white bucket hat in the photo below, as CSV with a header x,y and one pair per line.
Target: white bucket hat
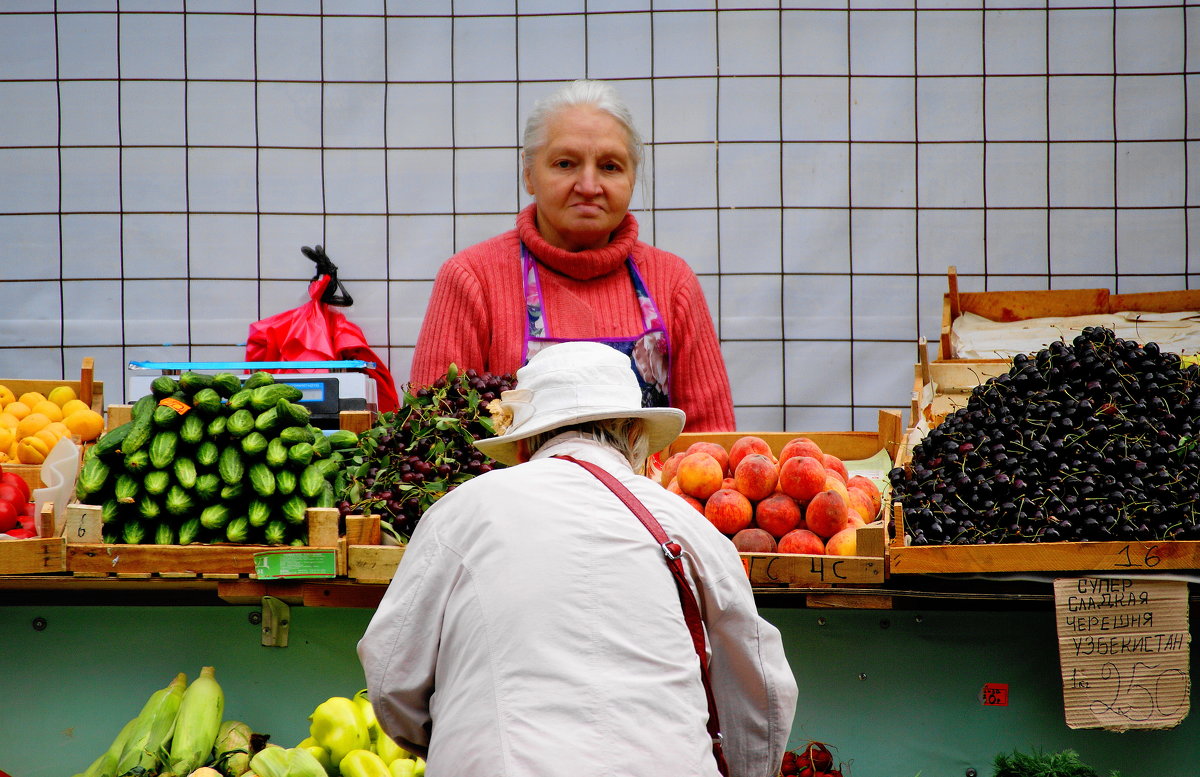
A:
x,y
570,383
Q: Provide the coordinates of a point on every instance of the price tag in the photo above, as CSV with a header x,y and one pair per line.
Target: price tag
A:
x,y
82,524
994,695
1123,648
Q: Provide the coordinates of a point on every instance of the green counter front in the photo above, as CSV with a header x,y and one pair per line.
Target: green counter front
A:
x,y
896,692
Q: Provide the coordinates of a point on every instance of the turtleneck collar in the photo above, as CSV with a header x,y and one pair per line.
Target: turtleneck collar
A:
x,y
580,265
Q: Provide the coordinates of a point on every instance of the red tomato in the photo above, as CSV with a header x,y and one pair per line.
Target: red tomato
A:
x,y
11,495
22,534
8,516
17,482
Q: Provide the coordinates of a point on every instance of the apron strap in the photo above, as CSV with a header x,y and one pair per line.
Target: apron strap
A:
x,y
672,552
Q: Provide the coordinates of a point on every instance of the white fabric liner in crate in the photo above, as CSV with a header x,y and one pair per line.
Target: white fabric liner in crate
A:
x,y
974,337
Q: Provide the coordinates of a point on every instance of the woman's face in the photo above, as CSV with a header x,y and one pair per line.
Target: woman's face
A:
x,y
581,179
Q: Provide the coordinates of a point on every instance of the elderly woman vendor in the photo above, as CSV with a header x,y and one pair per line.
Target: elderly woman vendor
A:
x,y
574,269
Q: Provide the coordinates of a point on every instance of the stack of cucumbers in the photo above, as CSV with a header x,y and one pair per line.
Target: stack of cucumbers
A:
x,y
213,458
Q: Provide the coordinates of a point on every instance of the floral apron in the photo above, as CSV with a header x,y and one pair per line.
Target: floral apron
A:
x,y
649,353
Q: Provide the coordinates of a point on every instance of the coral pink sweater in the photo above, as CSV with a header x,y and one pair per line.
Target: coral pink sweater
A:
x,y
476,316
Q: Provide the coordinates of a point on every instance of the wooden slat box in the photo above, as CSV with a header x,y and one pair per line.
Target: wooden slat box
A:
x,y
1020,305
804,570
88,390
1110,557
37,555
217,560
368,561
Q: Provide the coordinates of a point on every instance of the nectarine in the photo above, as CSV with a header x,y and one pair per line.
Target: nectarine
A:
x,y
800,446
670,467
833,462
844,543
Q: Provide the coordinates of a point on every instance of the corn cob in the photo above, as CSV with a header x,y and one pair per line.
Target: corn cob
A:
x,y
233,745
106,764
200,715
146,745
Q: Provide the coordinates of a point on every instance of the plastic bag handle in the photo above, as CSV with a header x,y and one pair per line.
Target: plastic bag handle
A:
x,y
325,266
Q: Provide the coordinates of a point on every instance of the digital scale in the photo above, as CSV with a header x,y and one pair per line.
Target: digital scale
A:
x,y
324,394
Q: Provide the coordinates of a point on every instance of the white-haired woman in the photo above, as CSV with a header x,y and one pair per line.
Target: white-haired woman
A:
x,y
574,269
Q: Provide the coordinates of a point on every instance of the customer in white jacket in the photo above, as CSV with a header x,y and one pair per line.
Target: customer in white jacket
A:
x,y
533,626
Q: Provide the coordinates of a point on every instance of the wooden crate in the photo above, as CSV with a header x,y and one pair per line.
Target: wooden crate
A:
x,y
1108,557
37,555
89,391
869,567
215,561
1020,305
368,561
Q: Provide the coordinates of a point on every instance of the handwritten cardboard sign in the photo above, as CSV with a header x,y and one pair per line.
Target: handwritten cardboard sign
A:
x,y
1123,647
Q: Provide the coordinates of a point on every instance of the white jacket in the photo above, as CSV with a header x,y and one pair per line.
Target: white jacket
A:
x,y
534,628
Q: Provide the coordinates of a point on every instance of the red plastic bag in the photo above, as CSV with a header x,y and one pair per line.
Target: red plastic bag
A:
x,y
317,332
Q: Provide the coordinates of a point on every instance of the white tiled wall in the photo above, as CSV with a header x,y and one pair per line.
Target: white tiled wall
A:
x,y
819,163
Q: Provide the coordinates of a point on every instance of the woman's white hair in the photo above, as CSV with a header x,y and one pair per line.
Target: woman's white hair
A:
x,y
597,94
627,436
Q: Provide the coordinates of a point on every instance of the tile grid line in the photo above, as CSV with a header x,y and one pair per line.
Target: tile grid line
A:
x,y
387,202
187,194
121,198
853,398
783,232
258,214
62,289
1116,154
983,136
1046,97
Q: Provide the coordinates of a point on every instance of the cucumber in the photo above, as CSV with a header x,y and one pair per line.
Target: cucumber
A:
x,y
207,401
215,516
293,509
258,512
285,482
110,511
240,424
162,449
192,429
164,534
188,531
240,400
328,467
156,482
264,397
149,508
238,530
216,428
320,444
133,533
184,470
138,461
254,444
342,439
127,489
91,478
109,443
300,455
295,434
143,407
277,453
262,479
310,481
167,416
257,380
327,497
178,501
233,492
139,434
192,382
298,414
163,386
226,384
267,420
208,486
207,454
230,465
275,532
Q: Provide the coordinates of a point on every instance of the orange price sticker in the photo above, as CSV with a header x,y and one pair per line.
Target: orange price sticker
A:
x,y
175,404
994,695
746,565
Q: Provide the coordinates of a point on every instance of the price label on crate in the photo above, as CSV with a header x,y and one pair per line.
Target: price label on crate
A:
x,y
294,563
994,695
1123,646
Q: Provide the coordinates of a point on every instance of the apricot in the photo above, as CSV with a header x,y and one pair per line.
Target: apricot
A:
x,y
699,475
778,514
827,514
728,510
844,543
746,445
800,446
754,541
800,541
713,449
756,476
802,477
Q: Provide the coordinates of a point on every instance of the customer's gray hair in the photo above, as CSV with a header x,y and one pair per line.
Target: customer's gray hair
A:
x,y
625,435
597,94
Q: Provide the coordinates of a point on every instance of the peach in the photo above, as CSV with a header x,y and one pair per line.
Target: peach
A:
x,y
844,543
745,445
800,446
694,502
861,505
778,514
801,541
868,487
713,449
754,541
670,467
699,475
836,464
729,510
827,514
801,477
833,473
728,483
756,476
673,486
837,484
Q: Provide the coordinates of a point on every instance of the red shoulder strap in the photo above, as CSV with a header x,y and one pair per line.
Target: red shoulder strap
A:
x,y
672,552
